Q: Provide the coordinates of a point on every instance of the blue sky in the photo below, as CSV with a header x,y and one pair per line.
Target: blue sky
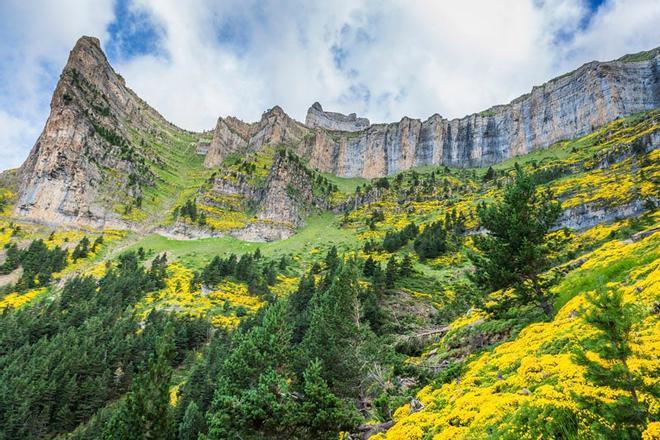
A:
x,y
200,59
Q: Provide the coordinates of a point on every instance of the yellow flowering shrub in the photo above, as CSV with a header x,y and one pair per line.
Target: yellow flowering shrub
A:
x,y
284,286
536,368
652,431
16,300
219,306
5,233
469,318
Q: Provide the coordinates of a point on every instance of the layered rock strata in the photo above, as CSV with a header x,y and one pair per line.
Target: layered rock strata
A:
x,y
83,155
566,107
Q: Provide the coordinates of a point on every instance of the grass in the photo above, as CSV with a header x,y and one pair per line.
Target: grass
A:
x,y
178,175
345,184
621,259
314,239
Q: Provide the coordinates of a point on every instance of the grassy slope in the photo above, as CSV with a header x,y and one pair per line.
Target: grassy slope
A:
x,y
179,170
320,233
438,282
534,371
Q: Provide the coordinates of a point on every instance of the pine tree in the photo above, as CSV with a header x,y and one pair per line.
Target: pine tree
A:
x,y
193,423
407,268
515,250
369,267
150,399
81,250
282,264
391,272
331,259
321,414
614,322
334,331
490,174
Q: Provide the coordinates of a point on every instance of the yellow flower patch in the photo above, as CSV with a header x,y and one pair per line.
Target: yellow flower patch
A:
x,y
527,371
16,300
284,286
177,297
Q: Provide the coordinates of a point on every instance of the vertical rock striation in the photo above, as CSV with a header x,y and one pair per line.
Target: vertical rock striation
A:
x,y
232,135
83,155
566,107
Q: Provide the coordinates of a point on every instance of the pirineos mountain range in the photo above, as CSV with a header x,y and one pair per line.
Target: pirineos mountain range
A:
x,y
491,276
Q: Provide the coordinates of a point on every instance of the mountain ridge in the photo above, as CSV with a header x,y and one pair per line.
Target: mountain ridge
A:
x,y
107,159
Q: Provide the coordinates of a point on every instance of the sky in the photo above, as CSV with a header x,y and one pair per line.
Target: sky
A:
x,y
199,59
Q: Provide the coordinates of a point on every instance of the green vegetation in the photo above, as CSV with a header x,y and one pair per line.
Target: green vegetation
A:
x,y
614,322
415,312
63,361
515,251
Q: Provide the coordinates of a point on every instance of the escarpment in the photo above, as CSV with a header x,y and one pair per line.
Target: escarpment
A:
x,y
104,153
316,117
566,107
231,135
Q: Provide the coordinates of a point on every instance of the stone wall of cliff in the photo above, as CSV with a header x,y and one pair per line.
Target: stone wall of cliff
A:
x,y
566,107
83,155
316,117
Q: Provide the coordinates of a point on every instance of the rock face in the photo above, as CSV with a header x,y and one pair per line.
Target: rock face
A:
x,y
566,107
83,154
91,155
280,203
288,196
232,135
316,117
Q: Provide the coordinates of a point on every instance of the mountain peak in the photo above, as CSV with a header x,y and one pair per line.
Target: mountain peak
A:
x,y
87,54
316,117
87,41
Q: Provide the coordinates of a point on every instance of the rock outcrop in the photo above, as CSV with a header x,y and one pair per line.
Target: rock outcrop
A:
x,y
566,107
232,135
83,156
278,204
316,117
288,196
92,156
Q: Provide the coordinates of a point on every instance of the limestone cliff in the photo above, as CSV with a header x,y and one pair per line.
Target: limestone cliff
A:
x,y
316,117
102,146
566,107
83,159
232,135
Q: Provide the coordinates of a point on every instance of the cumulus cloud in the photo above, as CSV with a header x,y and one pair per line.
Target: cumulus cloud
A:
x,y
382,59
35,39
195,61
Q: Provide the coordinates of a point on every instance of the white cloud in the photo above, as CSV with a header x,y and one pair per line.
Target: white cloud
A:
x,y
15,134
397,58
35,39
382,59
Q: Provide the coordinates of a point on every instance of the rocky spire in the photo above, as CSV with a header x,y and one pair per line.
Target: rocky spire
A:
x,y
317,118
65,178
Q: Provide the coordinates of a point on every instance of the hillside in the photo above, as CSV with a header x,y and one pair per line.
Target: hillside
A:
x,y
261,281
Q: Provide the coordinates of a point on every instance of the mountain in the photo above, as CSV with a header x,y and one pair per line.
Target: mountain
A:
x,y
107,159
84,159
566,107
160,283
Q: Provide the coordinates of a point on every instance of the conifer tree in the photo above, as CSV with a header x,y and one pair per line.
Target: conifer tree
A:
x,y
391,272
614,322
321,413
369,267
514,251
407,268
192,424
